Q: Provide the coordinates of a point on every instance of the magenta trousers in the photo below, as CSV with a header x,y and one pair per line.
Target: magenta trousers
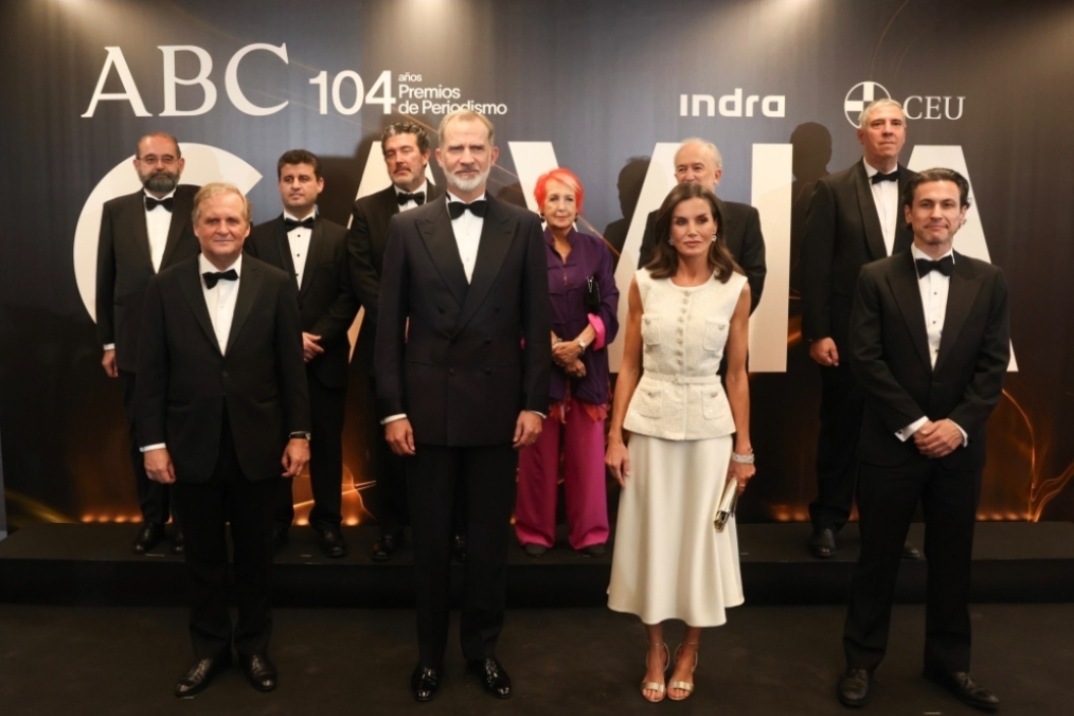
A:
x,y
582,440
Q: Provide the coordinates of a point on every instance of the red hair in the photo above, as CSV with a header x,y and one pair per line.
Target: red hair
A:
x,y
563,176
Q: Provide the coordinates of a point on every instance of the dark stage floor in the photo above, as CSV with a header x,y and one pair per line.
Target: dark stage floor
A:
x,y
767,661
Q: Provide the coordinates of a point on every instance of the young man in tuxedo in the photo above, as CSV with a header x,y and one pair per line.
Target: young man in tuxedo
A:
x,y
405,146
853,218
313,250
929,345
141,234
699,162
462,369
222,394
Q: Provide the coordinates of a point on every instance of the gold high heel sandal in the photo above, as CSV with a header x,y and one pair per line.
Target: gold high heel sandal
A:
x,y
655,685
686,686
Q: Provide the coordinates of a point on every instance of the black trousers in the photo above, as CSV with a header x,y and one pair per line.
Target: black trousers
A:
x,y
487,477
207,508
327,407
887,498
154,499
389,470
842,404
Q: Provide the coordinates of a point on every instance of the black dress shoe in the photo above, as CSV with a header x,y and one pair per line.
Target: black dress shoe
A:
x,y
909,551
968,691
458,549
149,536
260,672
534,550
331,541
200,674
492,675
822,543
178,542
854,687
424,682
279,536
385,547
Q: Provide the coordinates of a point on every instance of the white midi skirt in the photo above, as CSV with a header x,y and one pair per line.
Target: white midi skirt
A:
x,y
669,561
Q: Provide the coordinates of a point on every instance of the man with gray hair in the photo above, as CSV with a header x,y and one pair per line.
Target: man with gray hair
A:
x,y
141,234
853,219
699,162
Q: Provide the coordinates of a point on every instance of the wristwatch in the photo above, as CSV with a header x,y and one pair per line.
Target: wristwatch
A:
x,y
582,344
300,435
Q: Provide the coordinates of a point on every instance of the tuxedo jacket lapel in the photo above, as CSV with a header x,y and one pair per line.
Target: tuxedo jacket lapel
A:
x,y
870,220
961,294
904,286
496,233
314,254
139,231
284,247
249,283
195,298
181,211
439,240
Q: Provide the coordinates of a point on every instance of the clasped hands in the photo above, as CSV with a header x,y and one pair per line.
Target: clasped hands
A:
x,y
937,439
568,356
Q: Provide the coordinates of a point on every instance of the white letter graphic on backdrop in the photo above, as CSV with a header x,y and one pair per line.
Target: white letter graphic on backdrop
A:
x,y
771,195
971,238
204,164
231,79
116,59
532,159
205,63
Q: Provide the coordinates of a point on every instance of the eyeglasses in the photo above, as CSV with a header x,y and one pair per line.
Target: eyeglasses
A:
x,y
167,160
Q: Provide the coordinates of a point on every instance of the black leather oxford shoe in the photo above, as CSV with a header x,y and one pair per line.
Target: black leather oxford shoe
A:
x,y
424,682
385,547
492,675
260,672
822,543
200,674
149,536
331,541
178,541
854,687
909,551
968,691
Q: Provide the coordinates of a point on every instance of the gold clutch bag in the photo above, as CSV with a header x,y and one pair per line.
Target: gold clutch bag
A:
x,y
728,502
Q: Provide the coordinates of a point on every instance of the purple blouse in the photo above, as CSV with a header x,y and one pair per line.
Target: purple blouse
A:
x,y
589,256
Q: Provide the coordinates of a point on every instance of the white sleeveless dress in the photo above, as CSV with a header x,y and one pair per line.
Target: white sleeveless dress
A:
x,y
669,562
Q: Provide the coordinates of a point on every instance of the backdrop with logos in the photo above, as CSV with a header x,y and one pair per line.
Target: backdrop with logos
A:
x,y
606,88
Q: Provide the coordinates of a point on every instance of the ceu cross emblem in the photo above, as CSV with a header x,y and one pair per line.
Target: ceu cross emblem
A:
x,y
858,98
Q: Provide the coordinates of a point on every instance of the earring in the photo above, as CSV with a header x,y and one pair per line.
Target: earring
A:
x,y
671,241
714,237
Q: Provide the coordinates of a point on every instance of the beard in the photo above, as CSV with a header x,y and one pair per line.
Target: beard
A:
x,y
468,185
161,182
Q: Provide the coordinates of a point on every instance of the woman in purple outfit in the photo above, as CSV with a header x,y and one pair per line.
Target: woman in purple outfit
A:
x,y
585,301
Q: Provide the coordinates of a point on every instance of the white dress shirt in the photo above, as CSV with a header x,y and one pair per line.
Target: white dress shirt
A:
x,y
220,300
412,204
298,239
467,230
934,288
886,199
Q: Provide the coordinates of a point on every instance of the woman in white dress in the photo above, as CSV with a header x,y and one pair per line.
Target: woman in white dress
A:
x,y
685,308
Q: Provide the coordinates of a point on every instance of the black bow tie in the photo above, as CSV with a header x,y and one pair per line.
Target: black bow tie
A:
x,y
214,277
417,197
151,203
477,208
945,266
880,176
290,223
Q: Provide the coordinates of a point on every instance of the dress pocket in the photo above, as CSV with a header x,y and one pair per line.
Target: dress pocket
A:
x,y
715,336
713,404
648,402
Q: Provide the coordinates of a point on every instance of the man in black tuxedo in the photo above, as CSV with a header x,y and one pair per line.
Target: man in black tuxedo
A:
x,y
462,369
141,234
405,146
221,395
313,250
929,344
853,218
699,162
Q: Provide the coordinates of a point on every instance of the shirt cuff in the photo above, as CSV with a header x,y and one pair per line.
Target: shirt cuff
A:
x,y
155,446
965,435
910,429
537,412
393,418
598,326
109,346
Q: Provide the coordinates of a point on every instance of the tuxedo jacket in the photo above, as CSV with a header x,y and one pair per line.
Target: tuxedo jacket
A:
x,y
842,234
889,355
125,266
366,244
186,386
327,304
475,354
741,232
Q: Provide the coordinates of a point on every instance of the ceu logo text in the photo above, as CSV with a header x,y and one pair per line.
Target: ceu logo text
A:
x,y
914,107
736,104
